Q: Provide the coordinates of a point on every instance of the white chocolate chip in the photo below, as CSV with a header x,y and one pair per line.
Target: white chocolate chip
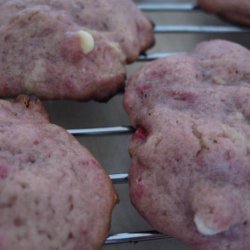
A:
x,y
115,46
87,41
238,116
36,75
203,228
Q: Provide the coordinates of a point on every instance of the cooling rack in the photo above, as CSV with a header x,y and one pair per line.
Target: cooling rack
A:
x,y
192,29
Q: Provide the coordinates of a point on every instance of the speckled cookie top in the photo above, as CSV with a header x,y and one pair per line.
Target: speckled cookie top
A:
x,y
54,194
211,82
190,153
69,49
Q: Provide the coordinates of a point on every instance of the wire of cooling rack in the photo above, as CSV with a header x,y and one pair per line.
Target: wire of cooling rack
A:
x,y
199,29
168,7
187,7
121,178
135,237
102,131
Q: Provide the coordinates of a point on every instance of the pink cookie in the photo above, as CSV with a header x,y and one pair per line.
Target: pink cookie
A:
x,y
237,11
53,193
69,49
190,173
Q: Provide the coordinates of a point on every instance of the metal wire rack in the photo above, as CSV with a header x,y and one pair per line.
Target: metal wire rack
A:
x,y
122,178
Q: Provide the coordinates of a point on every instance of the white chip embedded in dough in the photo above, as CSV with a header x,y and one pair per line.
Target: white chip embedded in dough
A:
x,y
87,41
203,228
